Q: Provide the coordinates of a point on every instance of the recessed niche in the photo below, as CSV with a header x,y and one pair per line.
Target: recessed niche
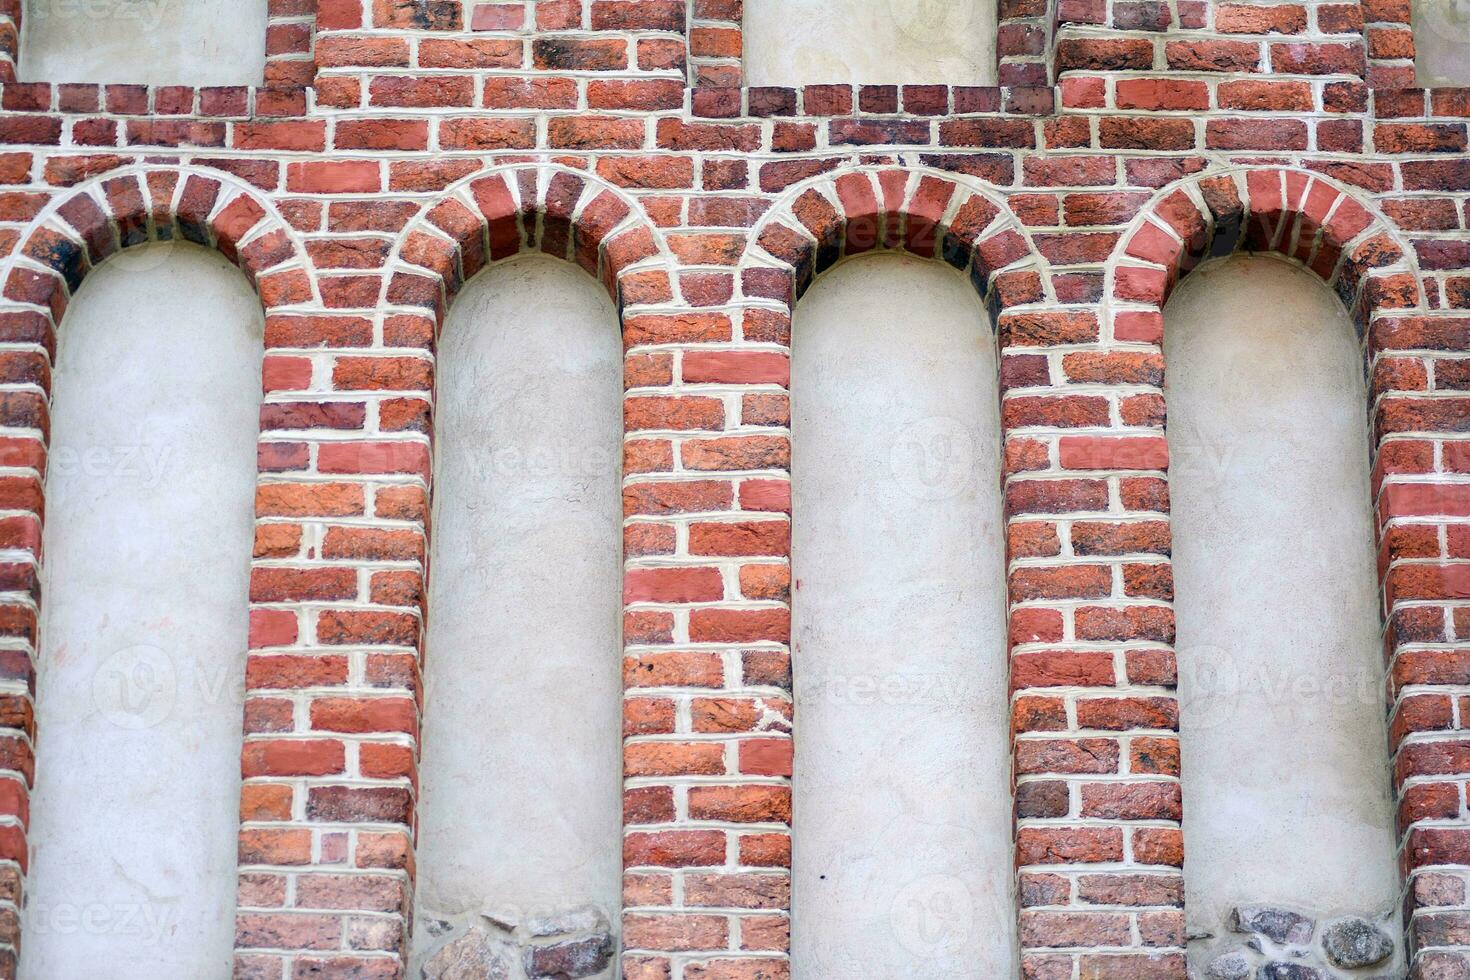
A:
x,y
870,42
1284,745
902,826
146,42
150,518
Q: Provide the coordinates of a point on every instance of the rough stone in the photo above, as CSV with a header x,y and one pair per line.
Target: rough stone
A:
x,y
1355,943
568,960
1278,925
1234,965
1278,970
503,919
473,956
563,922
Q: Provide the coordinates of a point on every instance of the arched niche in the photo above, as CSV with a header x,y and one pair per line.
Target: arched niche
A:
x,y
149,523
1284,750
521,808
144,42
902,849
870,42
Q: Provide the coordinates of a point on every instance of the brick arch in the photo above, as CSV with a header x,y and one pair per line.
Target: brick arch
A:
x,y
77,232
10,20
927,213
1299,215
507,212
83,228
1315,222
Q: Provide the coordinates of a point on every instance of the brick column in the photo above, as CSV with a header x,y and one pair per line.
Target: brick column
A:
x,y
288,43
716,43
1024,39
1389,31
25,417
1095,712
707,665
10,21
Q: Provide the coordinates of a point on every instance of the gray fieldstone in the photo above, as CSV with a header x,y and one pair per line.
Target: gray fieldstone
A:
x,y
563,922
1278,970
1281,926
1355,943
570,960
503,920
1234,965
473,956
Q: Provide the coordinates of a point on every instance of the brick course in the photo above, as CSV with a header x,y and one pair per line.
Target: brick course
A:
x,y
399,148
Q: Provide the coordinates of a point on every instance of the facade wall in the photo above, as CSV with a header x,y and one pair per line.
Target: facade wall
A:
x,y
399,147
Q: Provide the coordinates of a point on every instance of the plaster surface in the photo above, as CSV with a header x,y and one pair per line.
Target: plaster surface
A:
x,y
522,796
1285,757
871,42
146,42
1442,42
902,827
148,537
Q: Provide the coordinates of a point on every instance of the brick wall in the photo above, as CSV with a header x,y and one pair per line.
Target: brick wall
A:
x,y
1129,142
